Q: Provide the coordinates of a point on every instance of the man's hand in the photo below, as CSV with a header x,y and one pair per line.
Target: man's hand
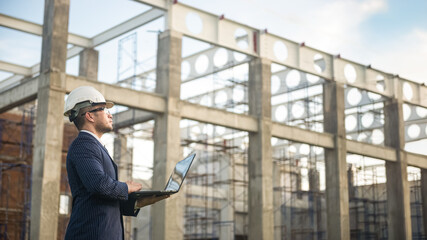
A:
x,y
142,202
133,186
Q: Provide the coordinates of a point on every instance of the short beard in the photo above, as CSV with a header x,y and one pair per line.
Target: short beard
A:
x,y
103,129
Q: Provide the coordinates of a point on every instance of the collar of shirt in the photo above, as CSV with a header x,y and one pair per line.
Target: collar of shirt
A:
x,y
91,133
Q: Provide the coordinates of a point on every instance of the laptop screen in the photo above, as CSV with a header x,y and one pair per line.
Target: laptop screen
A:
x,y
179,173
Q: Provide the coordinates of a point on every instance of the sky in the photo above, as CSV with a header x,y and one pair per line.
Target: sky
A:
x,y
391,35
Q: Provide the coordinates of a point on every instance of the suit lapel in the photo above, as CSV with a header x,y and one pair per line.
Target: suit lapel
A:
x,y
112,161
105,151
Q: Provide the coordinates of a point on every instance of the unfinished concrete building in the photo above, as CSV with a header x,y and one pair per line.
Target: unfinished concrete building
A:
x,y
292,142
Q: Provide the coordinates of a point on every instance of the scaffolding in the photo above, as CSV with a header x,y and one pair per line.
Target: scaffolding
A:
x,y
368,201
16,133
216,188
300,208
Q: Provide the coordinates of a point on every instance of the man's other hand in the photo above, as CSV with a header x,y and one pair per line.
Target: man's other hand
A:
x,y
145,201
133,186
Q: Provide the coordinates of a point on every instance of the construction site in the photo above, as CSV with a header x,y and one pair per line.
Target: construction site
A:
x,y
292,142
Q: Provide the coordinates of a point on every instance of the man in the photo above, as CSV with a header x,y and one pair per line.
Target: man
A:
x,y
99,199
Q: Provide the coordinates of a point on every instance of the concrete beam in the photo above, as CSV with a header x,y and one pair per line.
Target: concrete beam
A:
x,y
18,95
20,25
417,160
297,134
218,117
126,26
37,29
131,117
10,82
160,4
216,30
15,68
369,150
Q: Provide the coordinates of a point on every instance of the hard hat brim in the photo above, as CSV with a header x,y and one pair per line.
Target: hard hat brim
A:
x,y
109,104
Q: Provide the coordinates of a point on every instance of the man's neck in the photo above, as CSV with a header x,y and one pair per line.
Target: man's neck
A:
x,y
92,130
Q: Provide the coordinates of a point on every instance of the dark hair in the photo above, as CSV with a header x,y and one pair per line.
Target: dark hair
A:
x,y
80,119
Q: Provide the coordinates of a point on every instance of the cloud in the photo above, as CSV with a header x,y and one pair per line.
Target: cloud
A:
x,y
405,55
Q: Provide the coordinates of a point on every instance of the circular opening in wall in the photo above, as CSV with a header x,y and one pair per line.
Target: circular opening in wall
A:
x,y
362,137
380,83
185,70
407,91
238,95
304,149
206,101
319,63
220,130
220,57
421,112
293,78
350,122
239,56
280,51
350,73
274,141
292,149
210,129
414,131
406,111
221,98
195,132
194,23
367,119
298,109
374,96
312,78
241,38
354,96
281,113
377,136
202,63
318,150
275,83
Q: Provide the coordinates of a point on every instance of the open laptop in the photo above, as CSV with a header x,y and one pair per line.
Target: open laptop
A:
x,y
175,180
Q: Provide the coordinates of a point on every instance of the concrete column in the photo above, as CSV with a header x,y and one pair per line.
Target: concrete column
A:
x,y
88,65
123,159
277,202
226,227
337,203
398,202
167,216
47,157
424,197
260,205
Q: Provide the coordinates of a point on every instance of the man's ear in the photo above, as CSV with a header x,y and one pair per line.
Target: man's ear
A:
x,y
89,117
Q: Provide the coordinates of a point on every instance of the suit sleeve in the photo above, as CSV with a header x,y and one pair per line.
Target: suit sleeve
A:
x,y
91,172
128,207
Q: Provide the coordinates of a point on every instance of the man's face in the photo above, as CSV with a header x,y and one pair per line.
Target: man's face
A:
x,y
103,119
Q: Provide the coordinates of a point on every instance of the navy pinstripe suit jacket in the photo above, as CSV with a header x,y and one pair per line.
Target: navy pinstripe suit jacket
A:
x,y
99,200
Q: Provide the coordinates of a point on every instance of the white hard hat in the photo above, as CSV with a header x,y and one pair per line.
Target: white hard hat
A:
x,y
83,97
